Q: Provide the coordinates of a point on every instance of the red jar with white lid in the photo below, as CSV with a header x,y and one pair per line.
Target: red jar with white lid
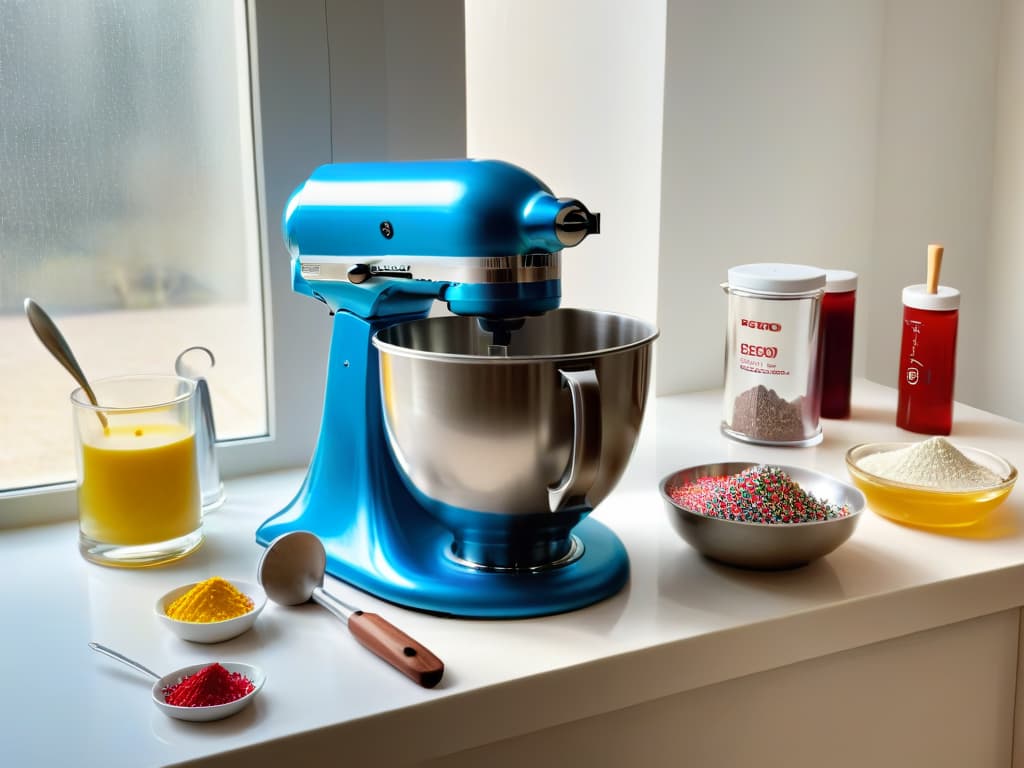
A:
x,y
928,359
837,311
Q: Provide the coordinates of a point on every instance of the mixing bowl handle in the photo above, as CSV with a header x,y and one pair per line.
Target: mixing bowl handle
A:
x,y
585,453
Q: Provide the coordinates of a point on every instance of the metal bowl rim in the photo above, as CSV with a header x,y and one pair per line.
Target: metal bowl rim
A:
x,y
386,347
853,514
872,448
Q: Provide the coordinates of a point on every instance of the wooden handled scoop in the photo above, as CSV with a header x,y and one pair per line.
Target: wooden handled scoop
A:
x,y
291,572
934,267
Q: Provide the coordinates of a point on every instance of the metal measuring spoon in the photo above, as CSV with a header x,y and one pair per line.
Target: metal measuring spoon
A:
x,y
55,342
193,714
291,572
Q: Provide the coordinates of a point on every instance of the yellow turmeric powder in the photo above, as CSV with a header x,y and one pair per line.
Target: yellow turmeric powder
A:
x,y
212,600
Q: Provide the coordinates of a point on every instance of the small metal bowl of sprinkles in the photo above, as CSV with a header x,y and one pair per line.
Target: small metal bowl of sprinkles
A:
x,y
761,516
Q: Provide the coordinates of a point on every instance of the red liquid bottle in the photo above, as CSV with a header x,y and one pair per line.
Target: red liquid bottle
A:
x,y
837,306
928,360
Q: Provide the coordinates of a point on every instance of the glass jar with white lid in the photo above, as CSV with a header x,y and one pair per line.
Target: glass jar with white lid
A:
x,y
772,376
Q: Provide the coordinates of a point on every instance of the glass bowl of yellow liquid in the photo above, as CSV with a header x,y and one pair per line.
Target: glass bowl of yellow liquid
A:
x,y
927,506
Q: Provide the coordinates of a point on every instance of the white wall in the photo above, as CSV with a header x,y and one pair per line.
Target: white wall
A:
x,y
769,155
843,134
397,79
571,91
934,169
1004,385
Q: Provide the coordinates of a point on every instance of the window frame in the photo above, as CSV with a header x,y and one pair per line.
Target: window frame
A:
x,y
290,101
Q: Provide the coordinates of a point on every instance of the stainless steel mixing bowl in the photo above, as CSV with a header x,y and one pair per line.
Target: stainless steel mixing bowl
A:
x,y
761,545
510,446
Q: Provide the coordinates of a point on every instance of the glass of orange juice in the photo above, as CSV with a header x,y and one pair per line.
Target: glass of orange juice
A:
x,y
138,484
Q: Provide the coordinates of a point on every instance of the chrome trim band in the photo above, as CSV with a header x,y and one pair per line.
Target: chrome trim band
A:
x,y
517,268
574,553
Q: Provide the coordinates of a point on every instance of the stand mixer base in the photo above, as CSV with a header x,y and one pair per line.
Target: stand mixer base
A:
x,y
426,578
380,539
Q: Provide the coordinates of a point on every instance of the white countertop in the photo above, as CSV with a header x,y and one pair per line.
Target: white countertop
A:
x,y
681,622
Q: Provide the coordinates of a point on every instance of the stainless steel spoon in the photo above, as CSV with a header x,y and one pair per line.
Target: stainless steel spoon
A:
x,y
55,342
123,659
195,714
291,572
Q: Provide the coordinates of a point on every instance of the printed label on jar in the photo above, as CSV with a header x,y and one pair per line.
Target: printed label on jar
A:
x,y
760,347
770,369
914,366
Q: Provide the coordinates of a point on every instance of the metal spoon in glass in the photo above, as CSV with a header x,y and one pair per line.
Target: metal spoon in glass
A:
x,y
194,714
291,572
55,342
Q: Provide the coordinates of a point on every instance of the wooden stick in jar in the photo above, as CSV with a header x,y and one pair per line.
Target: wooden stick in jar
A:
x,y
934,267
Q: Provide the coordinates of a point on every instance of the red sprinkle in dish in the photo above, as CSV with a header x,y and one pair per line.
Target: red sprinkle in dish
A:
x,y
208,687
761,494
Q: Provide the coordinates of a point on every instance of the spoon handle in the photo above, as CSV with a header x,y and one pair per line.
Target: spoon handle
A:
x,y
123,659
335,605
396,648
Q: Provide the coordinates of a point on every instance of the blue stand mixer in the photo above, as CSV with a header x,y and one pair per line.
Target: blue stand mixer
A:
x,y
458,457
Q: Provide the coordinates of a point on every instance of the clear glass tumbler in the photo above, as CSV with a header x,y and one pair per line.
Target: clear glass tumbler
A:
x,y
138,485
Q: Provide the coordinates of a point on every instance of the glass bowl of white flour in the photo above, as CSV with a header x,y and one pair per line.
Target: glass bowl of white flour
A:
x,y
932,483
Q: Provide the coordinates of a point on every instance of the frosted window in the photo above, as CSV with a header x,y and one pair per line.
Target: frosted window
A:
x,y
127,210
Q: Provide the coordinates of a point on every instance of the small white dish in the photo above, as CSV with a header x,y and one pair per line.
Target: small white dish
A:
x,y
217,711
255,675
213,631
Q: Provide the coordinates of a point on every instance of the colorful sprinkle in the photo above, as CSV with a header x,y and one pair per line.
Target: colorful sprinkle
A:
x,y
761,494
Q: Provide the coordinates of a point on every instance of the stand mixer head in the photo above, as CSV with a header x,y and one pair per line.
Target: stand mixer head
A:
x,y
469,450
483,236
